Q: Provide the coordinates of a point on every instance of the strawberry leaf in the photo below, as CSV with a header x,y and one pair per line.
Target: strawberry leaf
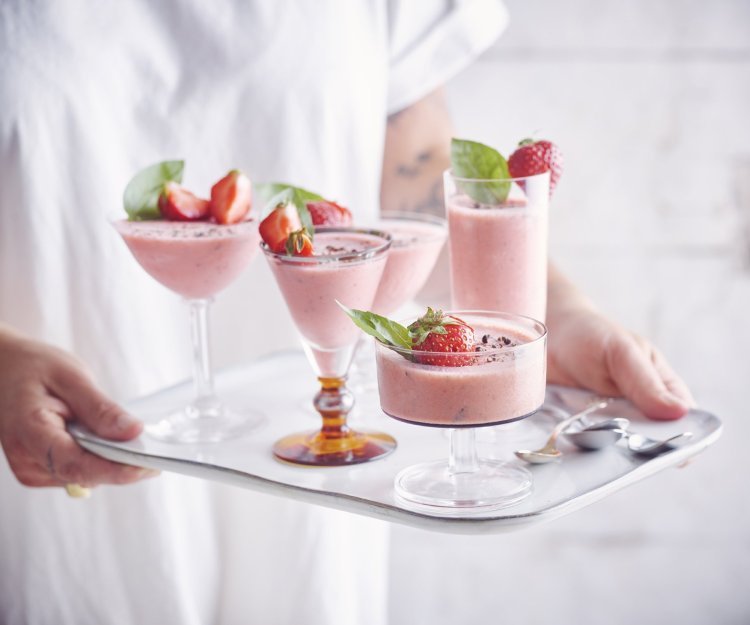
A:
x,y
141,196
470,159
383,329
275,193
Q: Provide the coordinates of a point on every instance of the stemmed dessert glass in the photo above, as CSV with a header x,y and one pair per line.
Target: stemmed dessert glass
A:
x,y
416,245
417,241
347,268
502,383
498,243
196,260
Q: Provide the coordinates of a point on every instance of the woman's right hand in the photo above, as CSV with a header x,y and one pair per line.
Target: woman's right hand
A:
x,y
41,388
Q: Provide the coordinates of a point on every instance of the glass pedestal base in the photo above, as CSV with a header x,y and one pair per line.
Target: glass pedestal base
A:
x,y
189,425
493,484
320,449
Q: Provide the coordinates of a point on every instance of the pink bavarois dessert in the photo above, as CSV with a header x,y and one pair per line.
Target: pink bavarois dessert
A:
x,y
503,379
194,259
498,252
417,241
346,266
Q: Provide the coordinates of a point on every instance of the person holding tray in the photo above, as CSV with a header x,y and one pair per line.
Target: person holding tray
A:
x,y
312,93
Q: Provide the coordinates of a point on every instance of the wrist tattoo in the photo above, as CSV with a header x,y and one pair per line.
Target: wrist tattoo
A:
x,y
431,204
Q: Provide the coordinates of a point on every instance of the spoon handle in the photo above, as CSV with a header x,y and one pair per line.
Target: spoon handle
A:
x,y
563,425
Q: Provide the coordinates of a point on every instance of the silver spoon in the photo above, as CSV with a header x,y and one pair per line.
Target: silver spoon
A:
x,y
645,446
550,452
615,423
593,438
599,434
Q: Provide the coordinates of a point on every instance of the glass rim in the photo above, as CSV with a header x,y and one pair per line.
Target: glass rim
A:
x,y
448,173
117,220
440,223
363,254
490,352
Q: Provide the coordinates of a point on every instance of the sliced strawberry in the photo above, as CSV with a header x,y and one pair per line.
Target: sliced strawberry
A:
x,y
299,243
436,332
231,198
535,157
325,213
179,204
280,223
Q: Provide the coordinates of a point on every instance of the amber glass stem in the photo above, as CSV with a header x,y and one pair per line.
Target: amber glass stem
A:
x,y
333,402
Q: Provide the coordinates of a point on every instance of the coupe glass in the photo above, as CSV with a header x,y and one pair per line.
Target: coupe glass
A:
x,y
498,248
416,245
347,267
196,260
494,386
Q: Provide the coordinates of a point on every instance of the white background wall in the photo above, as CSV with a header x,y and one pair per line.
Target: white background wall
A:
x,y
649,100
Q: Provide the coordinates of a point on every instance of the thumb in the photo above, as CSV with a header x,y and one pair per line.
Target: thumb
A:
x,y
634,373
91,407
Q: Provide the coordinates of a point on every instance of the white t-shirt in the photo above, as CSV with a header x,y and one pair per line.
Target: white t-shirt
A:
x,y
90,92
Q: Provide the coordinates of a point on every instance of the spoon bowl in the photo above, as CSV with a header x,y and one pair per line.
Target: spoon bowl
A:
x,y
592,439
615,423
550,452
645,446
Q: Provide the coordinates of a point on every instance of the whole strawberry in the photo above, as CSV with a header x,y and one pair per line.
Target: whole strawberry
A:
x,y
436,332
535,157
325,213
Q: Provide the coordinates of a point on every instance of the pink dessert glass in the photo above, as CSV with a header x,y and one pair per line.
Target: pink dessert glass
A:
x,y
348,270
196,260
495,386
417,242
498,243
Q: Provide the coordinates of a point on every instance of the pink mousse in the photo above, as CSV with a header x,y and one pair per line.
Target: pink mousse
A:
x,y
311,286
498,257
194,259
412,256
508,388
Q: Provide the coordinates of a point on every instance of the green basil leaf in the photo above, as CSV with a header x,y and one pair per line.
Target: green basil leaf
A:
x,y
470,159
141,196
384,329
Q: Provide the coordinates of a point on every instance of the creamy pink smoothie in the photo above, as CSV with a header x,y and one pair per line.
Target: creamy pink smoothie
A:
x,y
498,256
414,251
193,259
311,286
506,384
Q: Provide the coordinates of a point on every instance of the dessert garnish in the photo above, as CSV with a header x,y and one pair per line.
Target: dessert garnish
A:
x,y
141,197
231,198
284,233
326,213
473,160
433,339
436,332
535,157
156,192
176,203
315,210
299,243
